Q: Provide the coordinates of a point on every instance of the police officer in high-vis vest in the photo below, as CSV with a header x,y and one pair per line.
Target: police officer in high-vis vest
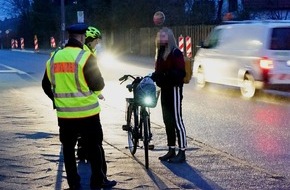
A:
x,y
71,80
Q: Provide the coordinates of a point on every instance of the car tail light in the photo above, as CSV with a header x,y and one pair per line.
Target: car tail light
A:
x,y
266,63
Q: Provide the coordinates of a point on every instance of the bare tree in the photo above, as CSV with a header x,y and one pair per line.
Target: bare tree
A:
x,y
16,8
198,11
279,15
268,9
219,11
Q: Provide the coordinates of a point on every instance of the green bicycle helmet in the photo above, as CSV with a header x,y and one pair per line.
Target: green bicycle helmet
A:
x,y
93,33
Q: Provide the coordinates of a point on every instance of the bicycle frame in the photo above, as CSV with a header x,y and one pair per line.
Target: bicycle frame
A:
x,y
137,123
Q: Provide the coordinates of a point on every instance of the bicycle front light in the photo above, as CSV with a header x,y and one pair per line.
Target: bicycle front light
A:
x,y
148,100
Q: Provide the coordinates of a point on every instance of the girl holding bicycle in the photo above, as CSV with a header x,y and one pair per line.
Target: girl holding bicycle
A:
x,y
168,75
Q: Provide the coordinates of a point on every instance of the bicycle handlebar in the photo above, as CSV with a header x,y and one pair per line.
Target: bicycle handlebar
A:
x,y
125,77
133,85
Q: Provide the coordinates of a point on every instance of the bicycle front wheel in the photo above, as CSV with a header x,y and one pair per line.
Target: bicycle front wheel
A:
x,y
146,138
132,122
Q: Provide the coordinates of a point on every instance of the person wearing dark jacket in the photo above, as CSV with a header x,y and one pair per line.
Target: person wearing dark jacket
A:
x,y
168,75
93,35
71,81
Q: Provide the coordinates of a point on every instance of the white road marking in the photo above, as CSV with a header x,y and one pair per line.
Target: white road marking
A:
x,y
12,70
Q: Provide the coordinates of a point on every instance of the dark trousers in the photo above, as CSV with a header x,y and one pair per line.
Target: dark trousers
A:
x,y
91,132
171,103
82,152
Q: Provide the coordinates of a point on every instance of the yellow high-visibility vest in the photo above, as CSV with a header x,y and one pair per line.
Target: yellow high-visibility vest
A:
x,y
72,96
94,52
85,47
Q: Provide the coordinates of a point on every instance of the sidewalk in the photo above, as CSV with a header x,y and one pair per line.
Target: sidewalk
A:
x,y
31,156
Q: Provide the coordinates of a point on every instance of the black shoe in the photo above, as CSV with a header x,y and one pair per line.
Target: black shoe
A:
x,y
74,182
106,184
170,154
179,158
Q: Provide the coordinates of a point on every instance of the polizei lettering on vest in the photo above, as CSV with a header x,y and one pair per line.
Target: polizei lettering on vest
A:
x,y
64,67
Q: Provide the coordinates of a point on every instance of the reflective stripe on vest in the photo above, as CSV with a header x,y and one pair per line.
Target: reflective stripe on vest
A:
x,y
73,99
78,108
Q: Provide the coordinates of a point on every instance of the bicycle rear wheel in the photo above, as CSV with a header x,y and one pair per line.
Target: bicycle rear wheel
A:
x,y
132,122
146,138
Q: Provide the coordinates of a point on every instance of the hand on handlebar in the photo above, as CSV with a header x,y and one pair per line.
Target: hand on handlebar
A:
x,y
153,76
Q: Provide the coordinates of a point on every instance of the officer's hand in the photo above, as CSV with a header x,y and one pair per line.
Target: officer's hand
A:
x,y
101,97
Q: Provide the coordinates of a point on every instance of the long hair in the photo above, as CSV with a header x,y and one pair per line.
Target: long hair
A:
x,y
165,34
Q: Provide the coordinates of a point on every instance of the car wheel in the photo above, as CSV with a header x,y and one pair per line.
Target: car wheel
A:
x,y
248,88
200,79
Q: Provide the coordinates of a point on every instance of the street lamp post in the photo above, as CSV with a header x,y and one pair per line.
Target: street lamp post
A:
x,y
1,45
62,23
7,35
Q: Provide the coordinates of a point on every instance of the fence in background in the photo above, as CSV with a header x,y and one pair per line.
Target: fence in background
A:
x,y
140,41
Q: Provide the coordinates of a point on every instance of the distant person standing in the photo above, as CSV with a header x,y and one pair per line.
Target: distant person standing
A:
x,y
71,79
168,75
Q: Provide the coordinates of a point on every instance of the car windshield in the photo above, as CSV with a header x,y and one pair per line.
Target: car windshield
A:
x,y
213,39
280,39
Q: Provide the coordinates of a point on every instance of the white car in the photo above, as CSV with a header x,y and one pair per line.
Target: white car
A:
x,y
251,55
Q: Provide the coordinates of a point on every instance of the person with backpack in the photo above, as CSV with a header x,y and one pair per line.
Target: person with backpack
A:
x,y
168,75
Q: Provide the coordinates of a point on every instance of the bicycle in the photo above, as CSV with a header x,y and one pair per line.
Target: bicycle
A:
x,y
137,115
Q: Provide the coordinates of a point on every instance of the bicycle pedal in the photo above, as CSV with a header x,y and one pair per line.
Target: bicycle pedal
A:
x,y
151,146
125,127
